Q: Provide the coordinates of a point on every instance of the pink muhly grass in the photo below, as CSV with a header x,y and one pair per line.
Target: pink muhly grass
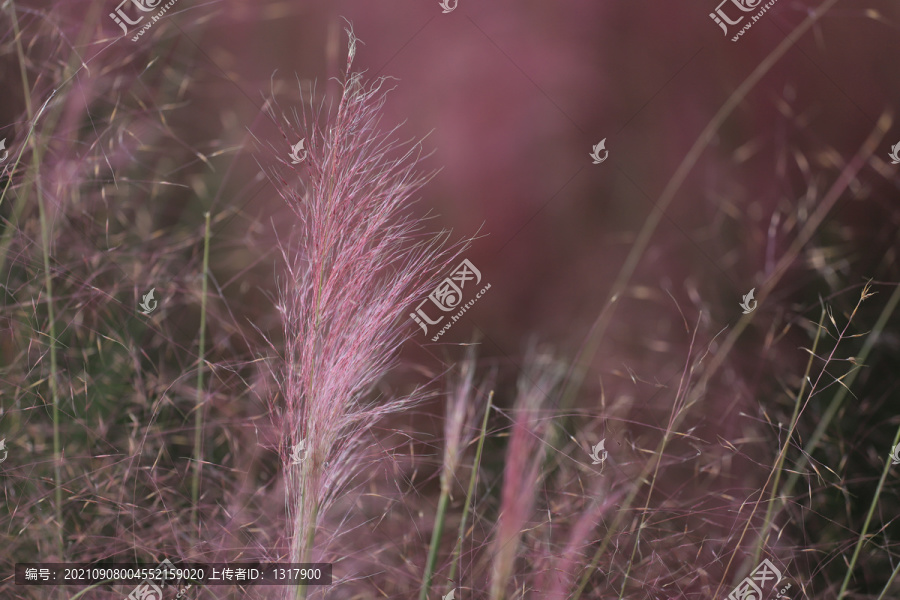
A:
x,y
525,456
459,431
354,271
568,564
459,427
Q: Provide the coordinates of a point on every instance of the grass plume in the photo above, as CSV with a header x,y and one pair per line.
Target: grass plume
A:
x,y
358,262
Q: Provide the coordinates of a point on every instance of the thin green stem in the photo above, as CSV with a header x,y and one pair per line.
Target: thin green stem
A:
x,y
438,532
307,546
48,283
637,537
626,505
51,315
436,535
840,336
677,409
642,478
26,86
889,582
473,479
198,414
50,121
842,391
54,391
779,463
865,529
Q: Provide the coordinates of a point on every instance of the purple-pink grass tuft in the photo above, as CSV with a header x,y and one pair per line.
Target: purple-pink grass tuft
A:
x,y
359,261
525,456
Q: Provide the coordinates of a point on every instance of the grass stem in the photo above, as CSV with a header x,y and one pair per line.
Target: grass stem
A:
x,y
842,391
890,580
36,157
779,463
302,589
840,336
473,479
198,414
436,535
865,528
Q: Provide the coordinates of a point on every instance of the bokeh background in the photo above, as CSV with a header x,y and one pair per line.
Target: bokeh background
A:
x,y
141,139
